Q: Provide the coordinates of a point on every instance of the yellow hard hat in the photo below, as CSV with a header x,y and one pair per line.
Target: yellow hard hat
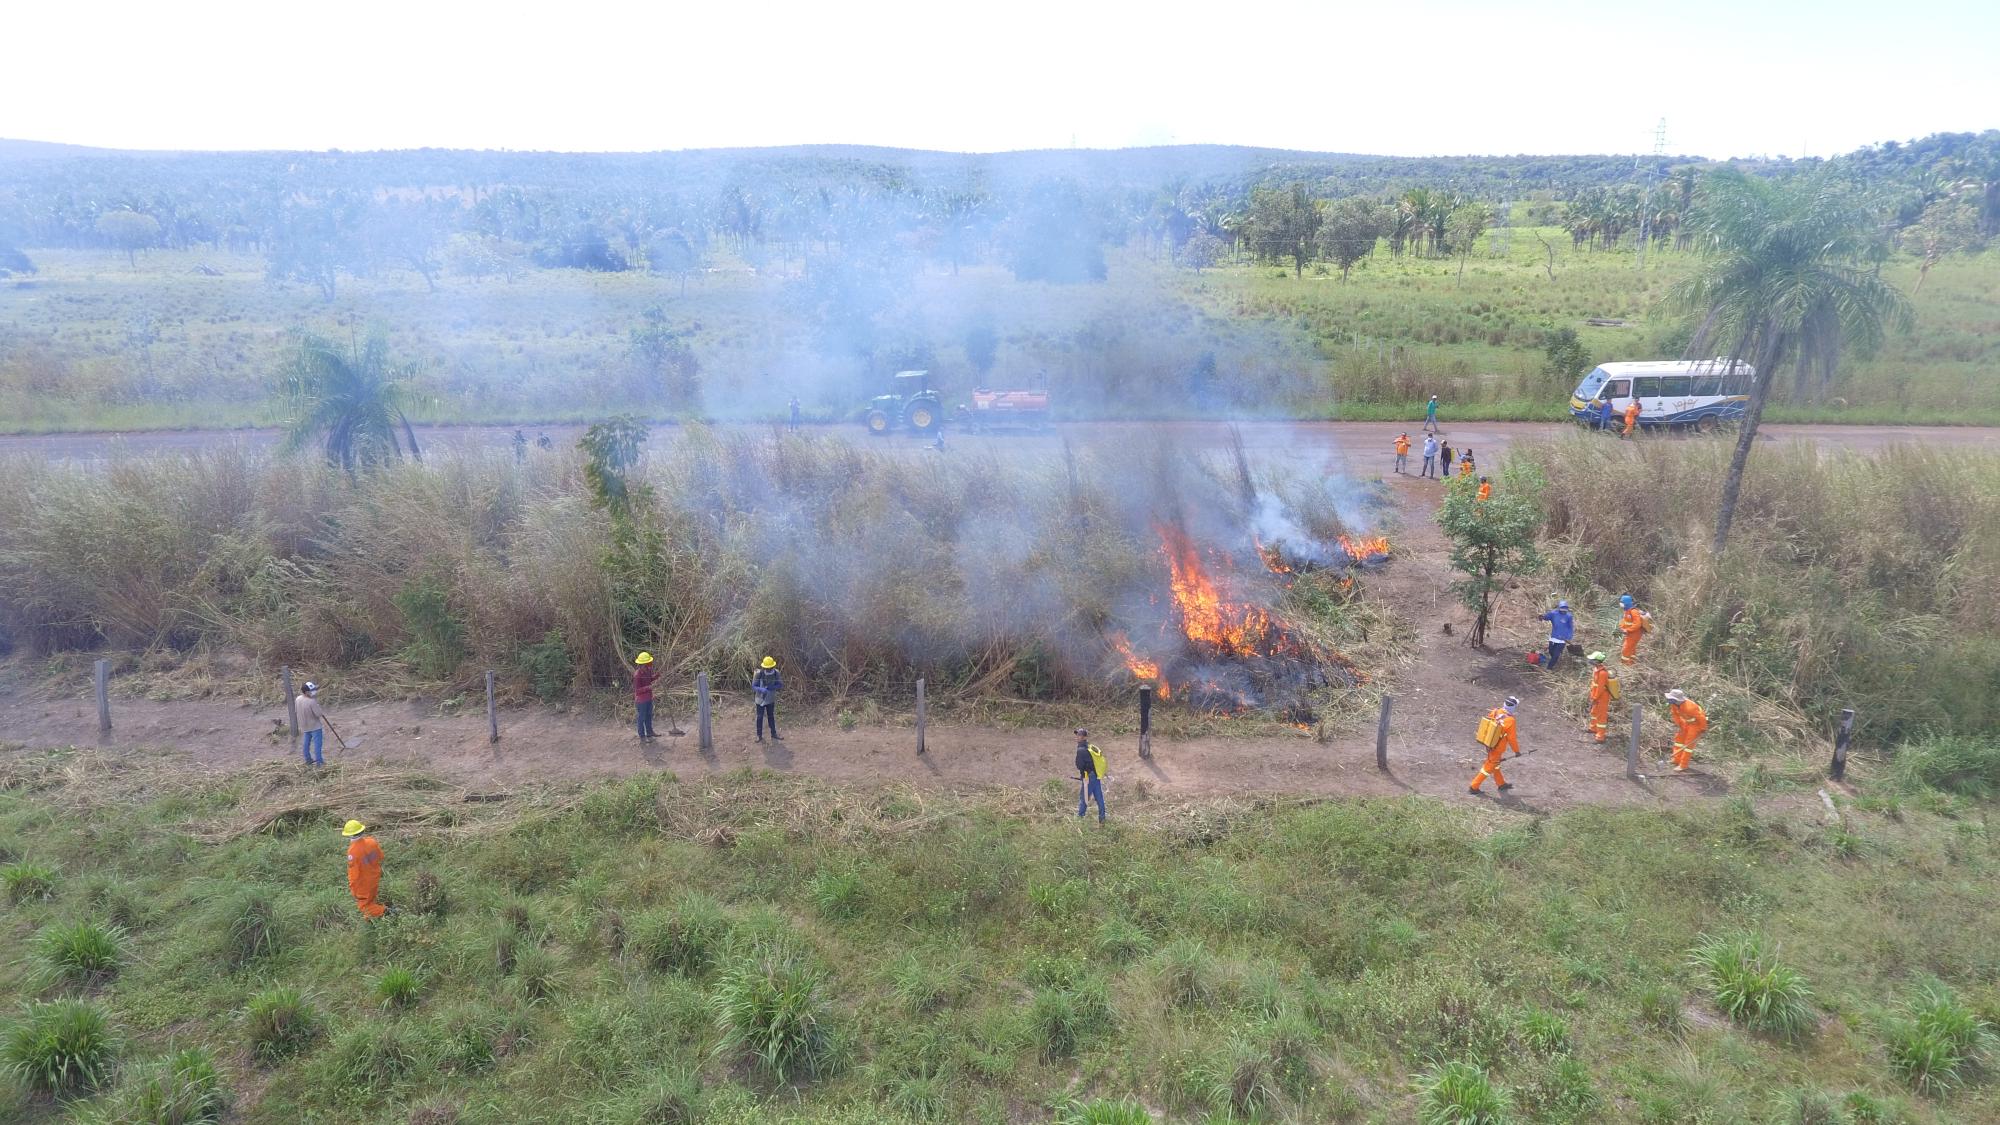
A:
x,y
353,828
643,658
770,662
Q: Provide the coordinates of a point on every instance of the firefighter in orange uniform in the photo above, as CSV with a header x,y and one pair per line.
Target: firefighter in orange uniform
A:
x,y
1631,418
1689,723
1600,697
1503,717
1633,625
364,869
1485,489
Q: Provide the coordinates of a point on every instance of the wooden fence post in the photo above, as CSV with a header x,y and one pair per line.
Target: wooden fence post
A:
x,y
103,696
1841,739
1632,748
1382,736
707,736
291,704
1146,721
920,716
492,716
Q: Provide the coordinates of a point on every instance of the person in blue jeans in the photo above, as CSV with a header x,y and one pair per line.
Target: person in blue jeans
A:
x,y
1089,771
312,725
1562,629
1431,416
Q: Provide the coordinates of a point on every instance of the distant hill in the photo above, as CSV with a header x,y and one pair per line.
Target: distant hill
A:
x,y
51,150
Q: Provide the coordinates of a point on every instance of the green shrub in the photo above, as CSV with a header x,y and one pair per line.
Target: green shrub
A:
x,y
1963,764
280,1022
1119,940
924,1096
28,881
1811,1106
1936,1040
60,1046
1660,1007
183,1089
548,666
1752,987
1457,1093
776,1009
689,939
835,894
370,1059
1864,1108
1187,974
250,926
398,988
437,639
1560,1090
537,973
1242,1079
1545,1033
1062,1019
928,980
80,952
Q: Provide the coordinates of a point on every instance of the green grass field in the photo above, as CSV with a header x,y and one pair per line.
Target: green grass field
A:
x,y
599,955
92,344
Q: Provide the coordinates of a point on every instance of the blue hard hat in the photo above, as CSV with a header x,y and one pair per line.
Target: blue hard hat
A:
x,y
1625,600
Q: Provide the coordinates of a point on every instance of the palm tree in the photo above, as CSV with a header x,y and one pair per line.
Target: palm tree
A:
x,y
1791,273
352,400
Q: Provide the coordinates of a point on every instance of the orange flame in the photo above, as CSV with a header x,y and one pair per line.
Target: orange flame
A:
x,y
1273,556
1367,549
1205,617
1141,669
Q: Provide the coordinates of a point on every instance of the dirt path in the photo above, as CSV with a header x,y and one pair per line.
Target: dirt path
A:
x,y
1439,694
1364,443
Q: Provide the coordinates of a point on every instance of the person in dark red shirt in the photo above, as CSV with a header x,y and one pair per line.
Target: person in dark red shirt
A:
x,y
643,678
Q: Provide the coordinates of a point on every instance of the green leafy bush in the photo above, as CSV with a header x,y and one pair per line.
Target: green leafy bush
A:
x,y
437,639
1751,986
548,666
1457,1093
280,1023
776,1009
80,952
60,1046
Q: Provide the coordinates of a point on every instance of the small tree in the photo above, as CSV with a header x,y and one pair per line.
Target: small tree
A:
x,y
1567,358
672,252
1462,230
1284,223
1202,251
666,359
129,231
1491,539
1348,235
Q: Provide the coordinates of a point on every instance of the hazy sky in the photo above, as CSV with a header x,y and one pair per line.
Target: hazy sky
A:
x,y
1408,78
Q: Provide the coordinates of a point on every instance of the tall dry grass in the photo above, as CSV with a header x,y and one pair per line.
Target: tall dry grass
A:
x,y
856,566
1851,580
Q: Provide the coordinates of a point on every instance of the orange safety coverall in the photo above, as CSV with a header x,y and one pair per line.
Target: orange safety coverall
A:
x,y
1633,625
1632,417
1600,702
364,874
1465,466
1689,721
1485,490
1507,742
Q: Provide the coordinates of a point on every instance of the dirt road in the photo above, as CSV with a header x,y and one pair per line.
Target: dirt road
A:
x,y
1440,692
1358,443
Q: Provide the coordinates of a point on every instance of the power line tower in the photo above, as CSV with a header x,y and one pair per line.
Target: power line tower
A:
x,y
1651,172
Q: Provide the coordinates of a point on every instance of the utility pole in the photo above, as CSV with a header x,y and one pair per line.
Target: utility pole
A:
x,y
1652,170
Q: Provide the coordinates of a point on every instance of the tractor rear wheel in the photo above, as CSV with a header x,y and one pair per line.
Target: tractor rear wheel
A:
x,y
922,417
878,423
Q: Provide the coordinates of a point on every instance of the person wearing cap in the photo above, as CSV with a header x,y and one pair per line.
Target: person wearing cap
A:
x,y
1600,697
1430,456
1403,454
765,684
1431,415
1633,625
1689,723
1091,772
364,869
1631,418
1503,717
644,676
1562,629
312,725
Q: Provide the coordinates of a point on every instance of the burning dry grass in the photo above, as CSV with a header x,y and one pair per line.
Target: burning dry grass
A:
x,y
860,568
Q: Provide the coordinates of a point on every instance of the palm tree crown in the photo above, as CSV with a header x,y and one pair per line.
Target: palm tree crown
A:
x,y
352,400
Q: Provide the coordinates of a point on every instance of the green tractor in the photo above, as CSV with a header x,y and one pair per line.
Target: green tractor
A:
x,y
913,404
